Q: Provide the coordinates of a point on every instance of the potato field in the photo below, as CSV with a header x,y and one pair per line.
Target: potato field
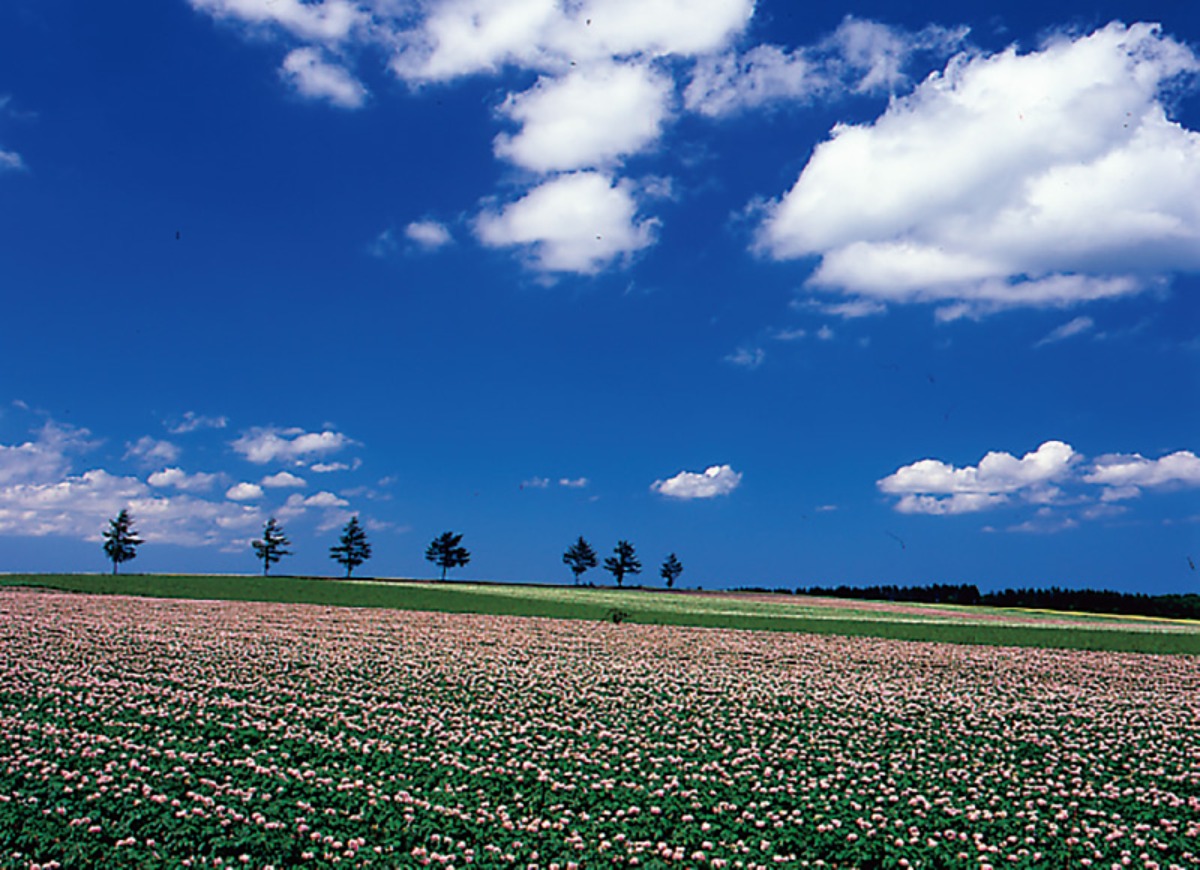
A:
x,y
154,733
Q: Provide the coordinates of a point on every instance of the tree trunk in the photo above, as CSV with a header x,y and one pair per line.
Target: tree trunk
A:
x,y
443,573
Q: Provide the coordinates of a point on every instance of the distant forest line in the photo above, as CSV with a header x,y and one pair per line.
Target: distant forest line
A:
x,y
1051,598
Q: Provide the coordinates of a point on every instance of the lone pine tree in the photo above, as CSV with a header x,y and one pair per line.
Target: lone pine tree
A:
x,y
352,548
273,545
120,540
445,552
624,561
671,569
579,557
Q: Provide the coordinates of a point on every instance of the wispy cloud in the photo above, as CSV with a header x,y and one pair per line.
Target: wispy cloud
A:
x,y
789,334
1077,326
848,310
192,422
748,358
428,234
861,56
152,451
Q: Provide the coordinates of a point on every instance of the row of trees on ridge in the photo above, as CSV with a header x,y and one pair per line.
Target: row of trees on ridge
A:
x,y
353,549
580,556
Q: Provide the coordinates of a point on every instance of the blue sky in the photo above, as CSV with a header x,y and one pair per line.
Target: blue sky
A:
x,y
871,293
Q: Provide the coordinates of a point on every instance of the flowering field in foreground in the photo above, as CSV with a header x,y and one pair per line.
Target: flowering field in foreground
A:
x,y
139,732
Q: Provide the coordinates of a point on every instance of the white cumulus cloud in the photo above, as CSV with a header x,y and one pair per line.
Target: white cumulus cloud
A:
x,y
931,486
581,222
605,91
263,444
76,505
456,38
244,492
315,77
1125,474
297,505
958,503
324,21
45,457
42,494
177,478
330,467
325,499
713,481
441,40
586,119
283,480
80,506
1046,178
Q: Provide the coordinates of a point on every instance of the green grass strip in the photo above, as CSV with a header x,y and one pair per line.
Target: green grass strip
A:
x,y
949,625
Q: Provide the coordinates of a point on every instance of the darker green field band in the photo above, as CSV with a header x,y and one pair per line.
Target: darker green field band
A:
x,y
632,606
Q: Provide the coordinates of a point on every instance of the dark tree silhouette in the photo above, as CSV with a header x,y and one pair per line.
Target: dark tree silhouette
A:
x,y
579,556
352,548
120,540
445,552
1175,606
671,569
624,562
273,545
